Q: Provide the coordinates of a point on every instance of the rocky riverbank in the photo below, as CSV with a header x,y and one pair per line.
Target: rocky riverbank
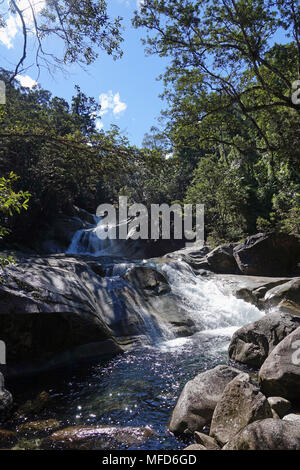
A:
x,y
259,408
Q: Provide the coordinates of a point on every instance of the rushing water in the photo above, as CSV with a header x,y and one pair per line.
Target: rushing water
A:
x,y
140,387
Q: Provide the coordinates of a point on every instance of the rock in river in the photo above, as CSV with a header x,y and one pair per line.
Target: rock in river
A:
x,y
268,434
221,260
198,399
275,254
252,343
240,404
59,309
98,437
293,418
280,373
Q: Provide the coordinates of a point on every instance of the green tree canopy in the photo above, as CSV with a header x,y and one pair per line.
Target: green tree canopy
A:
x,y
81,27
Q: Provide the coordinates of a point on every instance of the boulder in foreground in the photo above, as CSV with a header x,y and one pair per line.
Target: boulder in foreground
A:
x,y
207,441
268,434
241,403
292,418
198,399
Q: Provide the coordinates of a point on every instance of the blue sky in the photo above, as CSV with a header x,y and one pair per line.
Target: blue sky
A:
x,y
127,88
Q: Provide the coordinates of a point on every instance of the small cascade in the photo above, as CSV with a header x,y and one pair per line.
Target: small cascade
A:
x,y
92,242
209,302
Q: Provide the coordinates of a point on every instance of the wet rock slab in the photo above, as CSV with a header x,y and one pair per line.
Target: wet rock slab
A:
x,y
99,437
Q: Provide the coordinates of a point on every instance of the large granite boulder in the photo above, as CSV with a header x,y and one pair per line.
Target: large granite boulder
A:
x,y
280,373
147,280
289,292
252,343
241,403
253,289
48,308
59,309
198,399
221,260
268,434
262,254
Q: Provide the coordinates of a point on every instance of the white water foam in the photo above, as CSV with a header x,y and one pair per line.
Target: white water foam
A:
x,y
208,302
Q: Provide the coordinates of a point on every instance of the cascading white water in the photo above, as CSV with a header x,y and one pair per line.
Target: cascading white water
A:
x,y
208,302
92,242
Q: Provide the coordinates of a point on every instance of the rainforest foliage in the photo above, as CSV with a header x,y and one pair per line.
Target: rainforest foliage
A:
x,y
229,135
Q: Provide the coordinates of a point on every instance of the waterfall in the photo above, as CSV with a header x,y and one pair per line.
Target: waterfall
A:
x,y
209,303
91,241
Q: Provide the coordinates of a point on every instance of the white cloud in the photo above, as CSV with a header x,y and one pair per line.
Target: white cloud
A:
x,y
99,125
13,22
26,81
110,101
8,33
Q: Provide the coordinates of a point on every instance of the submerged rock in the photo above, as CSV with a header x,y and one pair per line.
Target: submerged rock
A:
x,y
240,404
262,254
7,438
198,399
98,437
280,373
252,343
39,428
147,280
33,407
268,434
